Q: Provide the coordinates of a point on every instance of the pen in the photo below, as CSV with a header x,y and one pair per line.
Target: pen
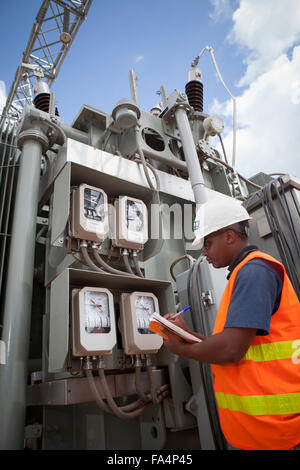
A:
x,y
180,312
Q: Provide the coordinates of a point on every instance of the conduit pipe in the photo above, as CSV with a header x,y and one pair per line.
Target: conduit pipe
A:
x,y
18,296
194,169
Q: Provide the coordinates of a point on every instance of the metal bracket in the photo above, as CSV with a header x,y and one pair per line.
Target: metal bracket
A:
x,y
41,221
192,405
207,298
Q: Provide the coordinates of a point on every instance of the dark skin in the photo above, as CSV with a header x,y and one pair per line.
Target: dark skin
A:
x,y
220,249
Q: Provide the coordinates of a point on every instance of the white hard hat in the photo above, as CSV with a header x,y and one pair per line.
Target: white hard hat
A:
x,y
215,214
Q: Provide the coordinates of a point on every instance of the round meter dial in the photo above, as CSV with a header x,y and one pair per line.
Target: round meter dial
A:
x,y
144,308
93,204
96,312
134,216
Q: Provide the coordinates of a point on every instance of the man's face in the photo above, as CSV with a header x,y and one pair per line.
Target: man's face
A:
x,y
216,249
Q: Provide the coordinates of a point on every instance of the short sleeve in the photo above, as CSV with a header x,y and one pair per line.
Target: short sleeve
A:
x,y
255,295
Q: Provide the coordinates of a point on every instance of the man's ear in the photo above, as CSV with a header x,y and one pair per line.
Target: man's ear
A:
x,y
230,237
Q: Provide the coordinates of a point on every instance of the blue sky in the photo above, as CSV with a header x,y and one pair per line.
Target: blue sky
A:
x,y
159,39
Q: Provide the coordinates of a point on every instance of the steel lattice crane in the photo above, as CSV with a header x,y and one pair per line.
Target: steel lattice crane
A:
x,y
56,26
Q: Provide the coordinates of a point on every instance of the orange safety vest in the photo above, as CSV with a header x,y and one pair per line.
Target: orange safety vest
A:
x,y
259,397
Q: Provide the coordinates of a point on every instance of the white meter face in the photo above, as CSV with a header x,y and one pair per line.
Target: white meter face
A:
x,y
93,321
96,312
134,216
93,204
136,310
144,308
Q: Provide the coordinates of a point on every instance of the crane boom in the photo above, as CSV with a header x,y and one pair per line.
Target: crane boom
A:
x,y
56,26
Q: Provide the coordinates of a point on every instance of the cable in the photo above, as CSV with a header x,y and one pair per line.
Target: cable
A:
x,y
101,403
115,409
194,64
223,148
282,244
136,264
125,255
88,260
146,165
239,175
95,392
92,265
191,261
154,393
138,368
107,266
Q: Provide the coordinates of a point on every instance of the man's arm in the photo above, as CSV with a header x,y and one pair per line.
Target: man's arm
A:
x,y
223,348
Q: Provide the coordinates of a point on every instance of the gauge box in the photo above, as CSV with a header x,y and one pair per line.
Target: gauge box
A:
x,y
131,223
93,322
89,213
135,312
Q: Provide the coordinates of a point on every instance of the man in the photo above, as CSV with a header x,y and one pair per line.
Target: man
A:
x,y
252,349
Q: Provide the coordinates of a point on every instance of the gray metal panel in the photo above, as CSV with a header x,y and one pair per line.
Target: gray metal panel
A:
x,y
61,206
59,322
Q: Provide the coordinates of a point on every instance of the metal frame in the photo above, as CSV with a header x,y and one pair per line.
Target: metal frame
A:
x,y
56,26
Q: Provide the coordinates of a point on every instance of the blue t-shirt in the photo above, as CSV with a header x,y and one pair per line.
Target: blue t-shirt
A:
x,y
256,296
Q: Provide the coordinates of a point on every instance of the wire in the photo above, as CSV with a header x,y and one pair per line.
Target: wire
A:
x,y
239,175
107,266
127,263
137,266
194,64
223,148
146,165
283,245
115,409
188,257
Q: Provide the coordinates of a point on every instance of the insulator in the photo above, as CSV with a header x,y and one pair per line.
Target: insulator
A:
x,y
194,92
42,102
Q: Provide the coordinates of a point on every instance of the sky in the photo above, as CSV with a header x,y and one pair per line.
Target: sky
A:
x,y
257,48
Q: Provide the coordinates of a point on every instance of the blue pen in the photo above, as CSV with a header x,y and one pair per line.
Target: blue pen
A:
x,y
179,313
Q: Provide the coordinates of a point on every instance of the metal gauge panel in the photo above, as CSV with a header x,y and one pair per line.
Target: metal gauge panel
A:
x,y
144,308
136,310
131,223
93,322
89,213
93,204
96,312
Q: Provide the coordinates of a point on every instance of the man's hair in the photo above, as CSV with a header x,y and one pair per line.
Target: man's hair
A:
x,y
240,228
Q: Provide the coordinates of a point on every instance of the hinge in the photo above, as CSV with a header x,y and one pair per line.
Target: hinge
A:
x,y
207,298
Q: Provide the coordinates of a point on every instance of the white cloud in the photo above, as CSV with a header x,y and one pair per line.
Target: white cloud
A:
x,y
266,29
268,120
2,95
139,58
221,9
268,109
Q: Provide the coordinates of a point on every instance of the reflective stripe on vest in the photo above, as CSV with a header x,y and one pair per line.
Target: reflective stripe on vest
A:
x,y
258,405
271,351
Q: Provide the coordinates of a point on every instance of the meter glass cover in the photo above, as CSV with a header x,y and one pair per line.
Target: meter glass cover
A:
x,y
96,312
144,308
93,204
134,216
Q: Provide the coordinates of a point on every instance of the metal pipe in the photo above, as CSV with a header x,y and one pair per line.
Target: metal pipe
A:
x,y
18,298
133,86
195,173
